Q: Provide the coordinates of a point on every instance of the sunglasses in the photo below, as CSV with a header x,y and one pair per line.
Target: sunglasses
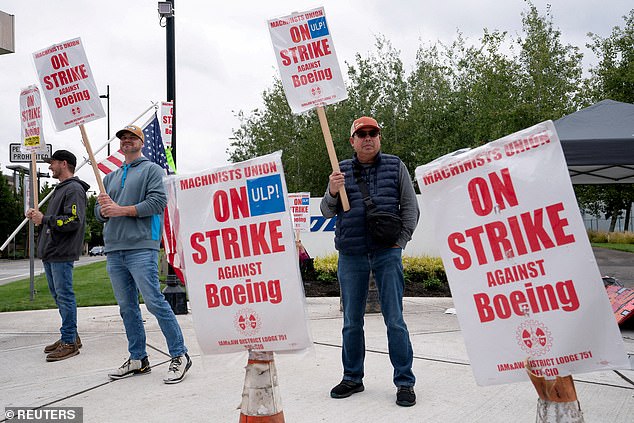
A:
x,y
372,132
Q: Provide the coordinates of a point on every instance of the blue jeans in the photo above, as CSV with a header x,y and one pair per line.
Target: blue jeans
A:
x,y
59,276
130,270
354,276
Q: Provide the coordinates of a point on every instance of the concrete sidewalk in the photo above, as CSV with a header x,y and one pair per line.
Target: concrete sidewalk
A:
x,y
212,390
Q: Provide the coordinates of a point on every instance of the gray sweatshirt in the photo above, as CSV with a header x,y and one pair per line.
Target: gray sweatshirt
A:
x,y
138,184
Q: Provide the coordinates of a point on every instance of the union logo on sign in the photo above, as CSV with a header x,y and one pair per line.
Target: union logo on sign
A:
x,y
247,321
315,91
534,338
76,110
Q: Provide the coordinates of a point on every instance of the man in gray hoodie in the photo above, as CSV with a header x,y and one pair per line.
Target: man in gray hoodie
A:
x,y
132,210
60,243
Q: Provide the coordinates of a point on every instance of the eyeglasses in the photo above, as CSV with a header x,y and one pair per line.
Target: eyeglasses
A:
x,y
372,132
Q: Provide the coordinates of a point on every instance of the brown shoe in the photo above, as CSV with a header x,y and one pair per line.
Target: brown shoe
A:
x,y
52,347
63,352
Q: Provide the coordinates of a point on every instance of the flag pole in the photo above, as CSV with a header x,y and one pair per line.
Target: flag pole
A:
x,y
332,154
45,199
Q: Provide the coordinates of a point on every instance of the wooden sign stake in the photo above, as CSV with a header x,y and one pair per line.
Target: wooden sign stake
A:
x,y
332,154
91,157
34,189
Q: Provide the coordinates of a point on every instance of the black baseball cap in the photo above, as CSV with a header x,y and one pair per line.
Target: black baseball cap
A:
x,y
63,155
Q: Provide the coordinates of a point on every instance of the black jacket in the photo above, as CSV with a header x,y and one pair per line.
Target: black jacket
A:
x,y
62,232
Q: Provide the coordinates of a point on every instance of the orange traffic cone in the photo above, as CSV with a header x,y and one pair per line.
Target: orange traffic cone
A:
x,y
261,400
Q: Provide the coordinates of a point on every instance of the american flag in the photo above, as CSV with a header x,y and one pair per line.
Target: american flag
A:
x,y
152,149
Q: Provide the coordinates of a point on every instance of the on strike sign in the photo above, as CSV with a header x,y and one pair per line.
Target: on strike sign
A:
x,y
167,114
31,119
307,61
234,228
68,84
524,281
300,210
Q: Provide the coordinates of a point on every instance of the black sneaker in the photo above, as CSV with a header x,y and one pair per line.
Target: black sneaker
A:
x,y
346,388
131,368
405,396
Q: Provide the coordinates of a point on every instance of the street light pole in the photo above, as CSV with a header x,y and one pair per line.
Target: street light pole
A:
x,y
107,97
170,49
174,293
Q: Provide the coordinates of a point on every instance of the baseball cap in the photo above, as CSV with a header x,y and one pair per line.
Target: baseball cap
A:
x,y
363,122
133,130
63,155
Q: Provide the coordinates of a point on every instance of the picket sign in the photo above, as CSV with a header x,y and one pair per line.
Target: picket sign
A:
x,y
518,260
70,90
299,203
32,131
234,228
309,70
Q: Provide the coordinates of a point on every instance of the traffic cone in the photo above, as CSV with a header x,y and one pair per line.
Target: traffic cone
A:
x,y
261,400
557,399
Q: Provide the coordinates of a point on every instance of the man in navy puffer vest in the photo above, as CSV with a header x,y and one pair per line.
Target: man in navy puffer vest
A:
x,y
391,189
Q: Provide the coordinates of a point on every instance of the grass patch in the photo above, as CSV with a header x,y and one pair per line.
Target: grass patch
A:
x,y
91,284
619,247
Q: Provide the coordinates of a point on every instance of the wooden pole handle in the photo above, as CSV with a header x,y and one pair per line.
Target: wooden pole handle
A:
x,y
332,154
91,157
34,187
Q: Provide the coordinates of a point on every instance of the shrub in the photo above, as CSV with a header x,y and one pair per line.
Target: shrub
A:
x,y
597,236
621,237
428,271
603,237
326,268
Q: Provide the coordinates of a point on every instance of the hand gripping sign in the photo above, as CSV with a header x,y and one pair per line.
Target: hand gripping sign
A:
x,y
309,69
32,134
522,274
70,90
237,240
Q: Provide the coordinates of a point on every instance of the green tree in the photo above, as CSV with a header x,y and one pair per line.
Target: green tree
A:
x,y
608,200
551,71
11,213
613,77
94,228
458,95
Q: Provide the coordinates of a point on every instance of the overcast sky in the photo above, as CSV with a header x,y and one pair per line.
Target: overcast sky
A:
x,y
225,59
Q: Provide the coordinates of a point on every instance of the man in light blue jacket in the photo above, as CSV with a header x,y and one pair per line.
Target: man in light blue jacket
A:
x,y
132,210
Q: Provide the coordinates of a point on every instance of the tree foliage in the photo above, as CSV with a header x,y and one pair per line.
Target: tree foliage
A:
x,y
458,95
11,213
94,228
613,78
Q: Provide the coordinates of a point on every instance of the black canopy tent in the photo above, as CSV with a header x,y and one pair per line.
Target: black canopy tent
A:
x,y
598,143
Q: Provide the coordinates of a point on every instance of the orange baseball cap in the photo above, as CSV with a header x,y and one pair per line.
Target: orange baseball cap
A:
x,y
135,130
363,122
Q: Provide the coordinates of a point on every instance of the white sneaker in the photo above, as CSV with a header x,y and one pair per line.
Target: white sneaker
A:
x,y
130,368
178,367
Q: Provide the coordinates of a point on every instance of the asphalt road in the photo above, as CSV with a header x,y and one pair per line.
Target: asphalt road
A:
x,y
618,264
13,270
